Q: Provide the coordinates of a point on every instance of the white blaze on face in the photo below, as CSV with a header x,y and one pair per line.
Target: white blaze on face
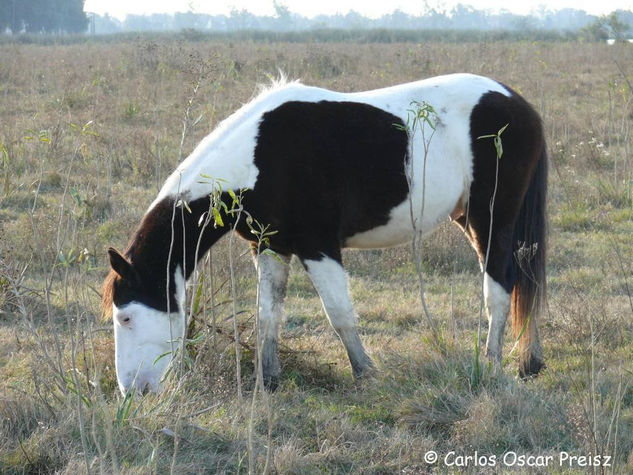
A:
x,y
141,335
145,341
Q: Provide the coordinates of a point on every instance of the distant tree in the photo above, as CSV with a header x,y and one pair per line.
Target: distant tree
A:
x,y
283,16
5,15
398,19
618,29
567,19
626,16
242,20
524,23
43,16
466,17
10,15
595,31
187,20
605,27
33,16
106,24
353,19
155,22
73,19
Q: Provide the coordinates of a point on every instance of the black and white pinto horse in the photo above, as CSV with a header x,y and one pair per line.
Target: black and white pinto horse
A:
x,y
328,171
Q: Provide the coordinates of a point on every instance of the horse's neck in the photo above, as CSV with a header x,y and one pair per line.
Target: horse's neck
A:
x,y
175,234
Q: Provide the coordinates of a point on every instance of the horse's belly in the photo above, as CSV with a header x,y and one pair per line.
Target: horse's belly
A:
x,y
398,230
421,214
382,236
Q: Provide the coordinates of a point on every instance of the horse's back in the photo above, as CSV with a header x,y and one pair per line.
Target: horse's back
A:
x,y
333,166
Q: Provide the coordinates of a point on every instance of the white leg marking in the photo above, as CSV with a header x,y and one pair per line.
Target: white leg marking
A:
x,y
181,292
272,273
497,306
330,280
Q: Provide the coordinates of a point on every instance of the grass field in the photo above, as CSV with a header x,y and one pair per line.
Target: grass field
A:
x,y
88,133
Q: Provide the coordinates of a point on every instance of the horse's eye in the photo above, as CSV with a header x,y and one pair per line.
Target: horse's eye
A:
x,y
124,318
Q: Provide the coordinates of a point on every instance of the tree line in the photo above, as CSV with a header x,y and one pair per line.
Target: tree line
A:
x,y
43,16
68,16
458,18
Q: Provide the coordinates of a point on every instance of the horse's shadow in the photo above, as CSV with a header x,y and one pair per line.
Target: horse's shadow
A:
x,y
304,370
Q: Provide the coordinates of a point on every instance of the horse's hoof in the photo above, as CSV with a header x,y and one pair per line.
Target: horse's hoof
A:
x,y
367,371
494,362
531,368
271,383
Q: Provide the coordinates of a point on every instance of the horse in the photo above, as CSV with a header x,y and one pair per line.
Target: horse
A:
x,y
326,171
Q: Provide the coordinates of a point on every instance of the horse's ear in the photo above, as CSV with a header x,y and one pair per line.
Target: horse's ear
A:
x,y
119,263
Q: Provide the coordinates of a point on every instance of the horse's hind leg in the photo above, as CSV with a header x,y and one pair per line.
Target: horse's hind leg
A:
x,y
272,271
498,277
497,300
330,281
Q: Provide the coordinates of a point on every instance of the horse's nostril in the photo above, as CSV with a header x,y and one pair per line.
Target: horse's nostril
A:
x,y
146,388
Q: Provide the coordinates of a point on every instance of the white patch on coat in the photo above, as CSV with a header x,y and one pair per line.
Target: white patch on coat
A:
x,y
227,154
141,335
497,302
441,176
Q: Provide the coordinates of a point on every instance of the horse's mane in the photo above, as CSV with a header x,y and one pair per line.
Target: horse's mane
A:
x,y
107,294
275,83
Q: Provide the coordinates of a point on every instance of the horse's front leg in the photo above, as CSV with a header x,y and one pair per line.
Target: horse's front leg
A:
x,y
330,280
272,274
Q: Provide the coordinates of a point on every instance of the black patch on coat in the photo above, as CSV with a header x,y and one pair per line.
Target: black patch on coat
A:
x,y
523,143
517,258
148,252
327,171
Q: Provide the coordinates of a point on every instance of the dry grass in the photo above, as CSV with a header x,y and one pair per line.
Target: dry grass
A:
x,y
91,131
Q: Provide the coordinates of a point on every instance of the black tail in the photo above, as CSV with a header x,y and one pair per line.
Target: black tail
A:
x,y
530,249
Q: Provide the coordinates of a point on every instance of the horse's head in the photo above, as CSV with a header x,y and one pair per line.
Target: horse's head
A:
x,y
148,326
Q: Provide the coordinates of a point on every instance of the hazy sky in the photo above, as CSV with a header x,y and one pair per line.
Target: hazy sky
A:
x,y
370,8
